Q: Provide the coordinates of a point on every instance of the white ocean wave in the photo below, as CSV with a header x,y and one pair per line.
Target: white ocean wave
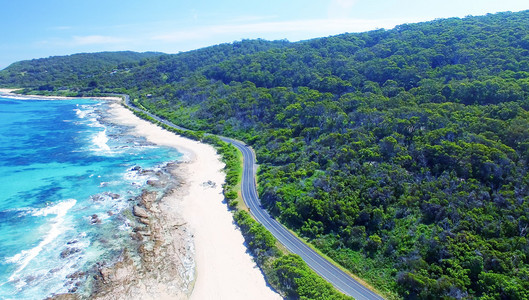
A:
x,y
136,178
100,140
81,113
94,122
23,258
60,209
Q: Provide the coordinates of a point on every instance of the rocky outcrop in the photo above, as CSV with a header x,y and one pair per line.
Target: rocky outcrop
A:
x,y
69,251
165,251
140,212
94,219
162,265
146,199
69,296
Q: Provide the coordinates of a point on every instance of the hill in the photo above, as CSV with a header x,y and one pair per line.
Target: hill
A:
x,y
126,69
402,154
54,71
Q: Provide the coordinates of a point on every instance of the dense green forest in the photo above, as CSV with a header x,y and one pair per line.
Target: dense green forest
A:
x,y
402,154
61,71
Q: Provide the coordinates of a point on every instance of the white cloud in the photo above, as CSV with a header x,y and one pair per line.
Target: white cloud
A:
x,y
171,38
284,29
96,40
84,43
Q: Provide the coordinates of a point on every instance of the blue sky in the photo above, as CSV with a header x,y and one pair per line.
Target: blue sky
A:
x,y
37,28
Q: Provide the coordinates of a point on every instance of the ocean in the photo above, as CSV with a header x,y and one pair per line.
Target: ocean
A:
x,y
69,177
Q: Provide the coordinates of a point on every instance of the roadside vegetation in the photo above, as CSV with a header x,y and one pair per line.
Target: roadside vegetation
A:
x,y
287,273
402,154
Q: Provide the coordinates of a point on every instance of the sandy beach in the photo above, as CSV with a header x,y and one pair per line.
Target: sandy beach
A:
x,y
192,223
224,268
9,93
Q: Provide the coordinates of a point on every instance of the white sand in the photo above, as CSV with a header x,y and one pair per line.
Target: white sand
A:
x,y
9,93
224,268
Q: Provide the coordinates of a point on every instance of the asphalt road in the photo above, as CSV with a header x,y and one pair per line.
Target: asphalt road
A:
x,y
320,265
323,267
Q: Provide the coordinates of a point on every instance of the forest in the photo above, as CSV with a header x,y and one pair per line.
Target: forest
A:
x,y
402,154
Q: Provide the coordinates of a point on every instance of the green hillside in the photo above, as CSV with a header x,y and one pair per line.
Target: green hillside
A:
x,y
56,71
402,154
126,69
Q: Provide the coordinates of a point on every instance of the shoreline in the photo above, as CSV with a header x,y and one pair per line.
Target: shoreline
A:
x,y
8,93
202,224
224,268
162,266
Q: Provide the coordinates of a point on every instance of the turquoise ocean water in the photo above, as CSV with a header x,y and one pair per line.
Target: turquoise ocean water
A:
x,y
67,175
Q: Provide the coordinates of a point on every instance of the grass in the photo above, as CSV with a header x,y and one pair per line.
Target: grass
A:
x,y
240,202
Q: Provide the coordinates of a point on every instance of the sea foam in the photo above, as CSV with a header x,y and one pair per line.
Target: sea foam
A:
x,y
101,140
41,245
23,258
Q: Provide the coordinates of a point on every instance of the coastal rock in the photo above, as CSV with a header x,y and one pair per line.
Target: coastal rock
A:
x,y
165,253
152,182
106,274
145,233
144,252
139,211
76,275
147,199
122,273
113,196
94,219
104,197
137,236
69,251
155,183
98,198
64,297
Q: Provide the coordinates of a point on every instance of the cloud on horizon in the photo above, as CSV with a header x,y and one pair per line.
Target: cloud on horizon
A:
x,y
307,28
96,40
160,37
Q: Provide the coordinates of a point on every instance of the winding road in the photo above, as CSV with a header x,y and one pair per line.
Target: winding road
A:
x,y
319,264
